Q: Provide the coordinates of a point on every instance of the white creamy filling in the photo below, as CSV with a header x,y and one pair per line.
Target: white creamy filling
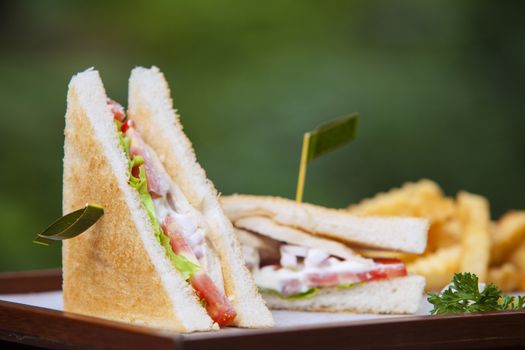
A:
x,y
302,269
184,216
169,200
190,224
186,223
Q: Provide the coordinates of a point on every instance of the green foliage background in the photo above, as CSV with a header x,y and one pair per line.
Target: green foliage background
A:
x,y
439,85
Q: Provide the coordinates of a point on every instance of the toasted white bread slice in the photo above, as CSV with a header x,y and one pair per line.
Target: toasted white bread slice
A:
x,y
151,107
267,227
267,248
117,269
394,296
404,234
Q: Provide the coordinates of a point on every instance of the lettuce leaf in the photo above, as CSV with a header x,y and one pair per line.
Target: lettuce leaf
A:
x,y
125,142
136,161
307,294
349,285
181,263
299,296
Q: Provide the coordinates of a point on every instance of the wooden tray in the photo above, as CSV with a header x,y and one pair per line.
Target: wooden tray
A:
x,y
54,329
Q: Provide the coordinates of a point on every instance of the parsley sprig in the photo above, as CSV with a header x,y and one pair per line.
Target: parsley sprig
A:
x,y
463,295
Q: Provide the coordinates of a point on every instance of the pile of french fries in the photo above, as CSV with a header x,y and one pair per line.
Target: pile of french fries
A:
x,y
462,237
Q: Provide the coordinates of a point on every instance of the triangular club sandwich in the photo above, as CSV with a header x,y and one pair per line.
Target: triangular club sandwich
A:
x,y
301,256
164,254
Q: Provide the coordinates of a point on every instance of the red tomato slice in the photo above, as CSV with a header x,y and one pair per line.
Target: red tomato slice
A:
x,y
376,275
216,303
135,171
177,242
392,267
125,126
385,268
117,110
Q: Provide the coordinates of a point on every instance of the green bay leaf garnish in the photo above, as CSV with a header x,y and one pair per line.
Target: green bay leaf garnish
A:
x,y
324,139
70,225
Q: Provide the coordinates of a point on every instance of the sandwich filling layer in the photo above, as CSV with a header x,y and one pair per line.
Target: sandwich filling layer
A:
x,y
300,271
178,227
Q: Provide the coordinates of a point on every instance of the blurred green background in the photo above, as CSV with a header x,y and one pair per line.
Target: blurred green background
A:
x,y
439,85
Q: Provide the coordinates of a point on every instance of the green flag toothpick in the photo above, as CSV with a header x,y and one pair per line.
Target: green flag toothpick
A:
x,y
70,225
324,139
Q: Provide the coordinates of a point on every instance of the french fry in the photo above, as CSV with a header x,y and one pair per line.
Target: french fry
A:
x,y
521,280
461,236
475,219
507,236
506,277
421,199
518,257
444,234
438,268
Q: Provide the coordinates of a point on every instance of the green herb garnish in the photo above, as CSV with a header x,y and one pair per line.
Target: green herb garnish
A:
x,y
70,225
464,296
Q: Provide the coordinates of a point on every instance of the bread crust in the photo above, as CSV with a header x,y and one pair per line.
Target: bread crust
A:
x,y
107,271
401,295
404,234
268,228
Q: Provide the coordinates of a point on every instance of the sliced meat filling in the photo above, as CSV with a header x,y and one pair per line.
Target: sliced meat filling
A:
x,y
177,225
302,271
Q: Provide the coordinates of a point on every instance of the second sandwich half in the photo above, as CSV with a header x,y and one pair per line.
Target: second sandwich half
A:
x,y
305,257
